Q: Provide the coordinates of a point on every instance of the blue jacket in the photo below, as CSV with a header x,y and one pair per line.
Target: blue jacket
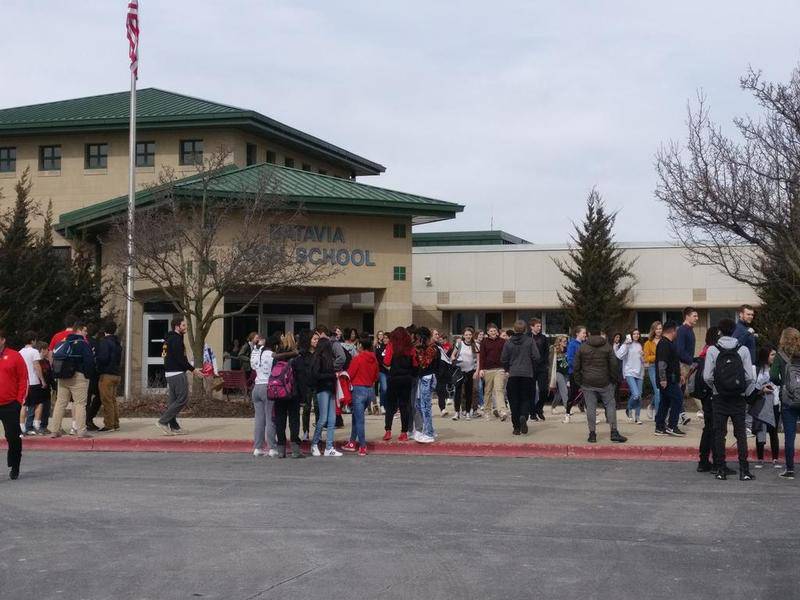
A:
x,y
86,364
572,349
685,344
746,339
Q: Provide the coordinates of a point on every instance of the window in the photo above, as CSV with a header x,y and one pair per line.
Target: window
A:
x,y
306,167
399,273
323,172
49,158
8,160
145,154
645,318
62,254
191,152
252,154
492,317
96,156
554,322
270,157
715,315
288,162
399,230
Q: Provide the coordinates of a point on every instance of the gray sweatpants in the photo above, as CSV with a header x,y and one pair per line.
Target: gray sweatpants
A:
x,y
264,425
605,395
177,397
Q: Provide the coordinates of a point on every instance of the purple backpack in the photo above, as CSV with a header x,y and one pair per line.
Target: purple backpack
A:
x,y
280,385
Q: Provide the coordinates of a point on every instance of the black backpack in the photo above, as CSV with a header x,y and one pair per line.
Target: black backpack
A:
x,y
66,357
729,375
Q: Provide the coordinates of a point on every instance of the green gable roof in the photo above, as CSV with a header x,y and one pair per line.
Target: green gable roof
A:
x,y
465,238
317,194
160,109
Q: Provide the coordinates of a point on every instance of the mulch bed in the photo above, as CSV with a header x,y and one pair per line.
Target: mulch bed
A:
x,y
152,405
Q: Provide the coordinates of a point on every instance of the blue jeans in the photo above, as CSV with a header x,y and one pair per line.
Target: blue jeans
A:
x,y
480,392
423,403
651,375
327,416
383,383
362,397
672,403
790,416
635,398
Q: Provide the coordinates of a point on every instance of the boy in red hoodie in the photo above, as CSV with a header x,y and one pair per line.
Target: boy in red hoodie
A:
x,y
363,372
13,390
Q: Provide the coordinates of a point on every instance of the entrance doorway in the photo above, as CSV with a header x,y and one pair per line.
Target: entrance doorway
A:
x,y
294,323
156,326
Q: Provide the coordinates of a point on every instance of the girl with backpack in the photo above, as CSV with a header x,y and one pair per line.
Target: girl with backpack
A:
x,y
262,358
766,409
631,354
785,372
465,355
282,390
324,378
401,359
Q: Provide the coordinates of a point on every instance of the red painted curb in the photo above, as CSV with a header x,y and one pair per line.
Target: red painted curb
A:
x,y
474,449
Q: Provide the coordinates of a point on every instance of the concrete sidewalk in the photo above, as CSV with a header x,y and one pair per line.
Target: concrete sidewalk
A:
x,y
478,437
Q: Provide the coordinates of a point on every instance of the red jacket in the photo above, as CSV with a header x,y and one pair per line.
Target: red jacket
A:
x,y
363,369
13,377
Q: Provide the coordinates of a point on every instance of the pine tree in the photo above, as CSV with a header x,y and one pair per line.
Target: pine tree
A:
x,y
599,280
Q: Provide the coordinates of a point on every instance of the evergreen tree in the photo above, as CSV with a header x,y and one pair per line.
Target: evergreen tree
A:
x,y
38,285
599,280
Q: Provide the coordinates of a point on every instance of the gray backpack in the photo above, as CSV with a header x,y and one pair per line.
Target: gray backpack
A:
x,y
791,382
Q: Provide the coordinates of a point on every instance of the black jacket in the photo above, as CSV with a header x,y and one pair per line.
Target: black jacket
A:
x,y
174,353
543,346
81,347
301,366
109,356
668,364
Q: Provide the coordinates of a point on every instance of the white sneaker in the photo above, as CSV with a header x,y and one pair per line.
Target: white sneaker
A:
x,y
73,431
700,414
383,410
445,412
468,416
456,417
258,452
332,452
630,419
416,435
565,419
272,453
315,450
425,439
639,422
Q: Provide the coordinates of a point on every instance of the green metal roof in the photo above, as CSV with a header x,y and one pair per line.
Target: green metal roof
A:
x,y
160,109
316,193
465,238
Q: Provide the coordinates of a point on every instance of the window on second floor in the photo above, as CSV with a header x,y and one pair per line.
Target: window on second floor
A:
x,y
271,157
288,162
96,156
399,230
306,167
191,152
8,160
49,158
252,154
145,154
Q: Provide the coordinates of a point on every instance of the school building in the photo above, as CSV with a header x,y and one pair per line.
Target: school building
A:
x,y
77,153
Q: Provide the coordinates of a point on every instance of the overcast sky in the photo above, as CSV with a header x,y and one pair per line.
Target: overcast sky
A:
x,y
514,109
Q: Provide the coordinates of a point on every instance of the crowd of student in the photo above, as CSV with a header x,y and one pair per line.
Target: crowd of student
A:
x,y
491,374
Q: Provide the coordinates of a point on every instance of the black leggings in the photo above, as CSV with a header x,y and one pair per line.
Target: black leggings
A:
x,y
441,394
774,443
9,416
466,385
398,396
572,399
290,409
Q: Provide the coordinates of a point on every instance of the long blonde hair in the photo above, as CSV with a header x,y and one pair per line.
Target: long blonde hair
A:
x,y
288,342
561,338
653,328
790,341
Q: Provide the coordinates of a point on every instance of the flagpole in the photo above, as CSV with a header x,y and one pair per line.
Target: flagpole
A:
x,y
129,274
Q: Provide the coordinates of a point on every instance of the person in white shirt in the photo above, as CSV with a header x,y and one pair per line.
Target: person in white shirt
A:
x,y
31,416
631,354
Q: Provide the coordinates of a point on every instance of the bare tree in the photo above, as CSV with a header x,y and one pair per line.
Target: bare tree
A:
x,y
198,246
735,203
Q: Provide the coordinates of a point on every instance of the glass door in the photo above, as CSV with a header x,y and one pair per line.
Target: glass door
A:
x,y
155,331
283,323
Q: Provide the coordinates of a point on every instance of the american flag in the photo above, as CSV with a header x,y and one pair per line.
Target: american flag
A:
x,y
132,27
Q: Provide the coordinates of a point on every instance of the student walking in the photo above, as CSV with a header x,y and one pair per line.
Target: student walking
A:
x,y
490,368
428,356
540,373
13,391
465,355
729,372
519,359
32,408
559,373
596,370
685,344
785,372
572,351
632,356
649,350
670,382
363,373
176,366
704,393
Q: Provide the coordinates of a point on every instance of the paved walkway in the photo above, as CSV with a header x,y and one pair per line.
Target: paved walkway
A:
x,y
485,437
